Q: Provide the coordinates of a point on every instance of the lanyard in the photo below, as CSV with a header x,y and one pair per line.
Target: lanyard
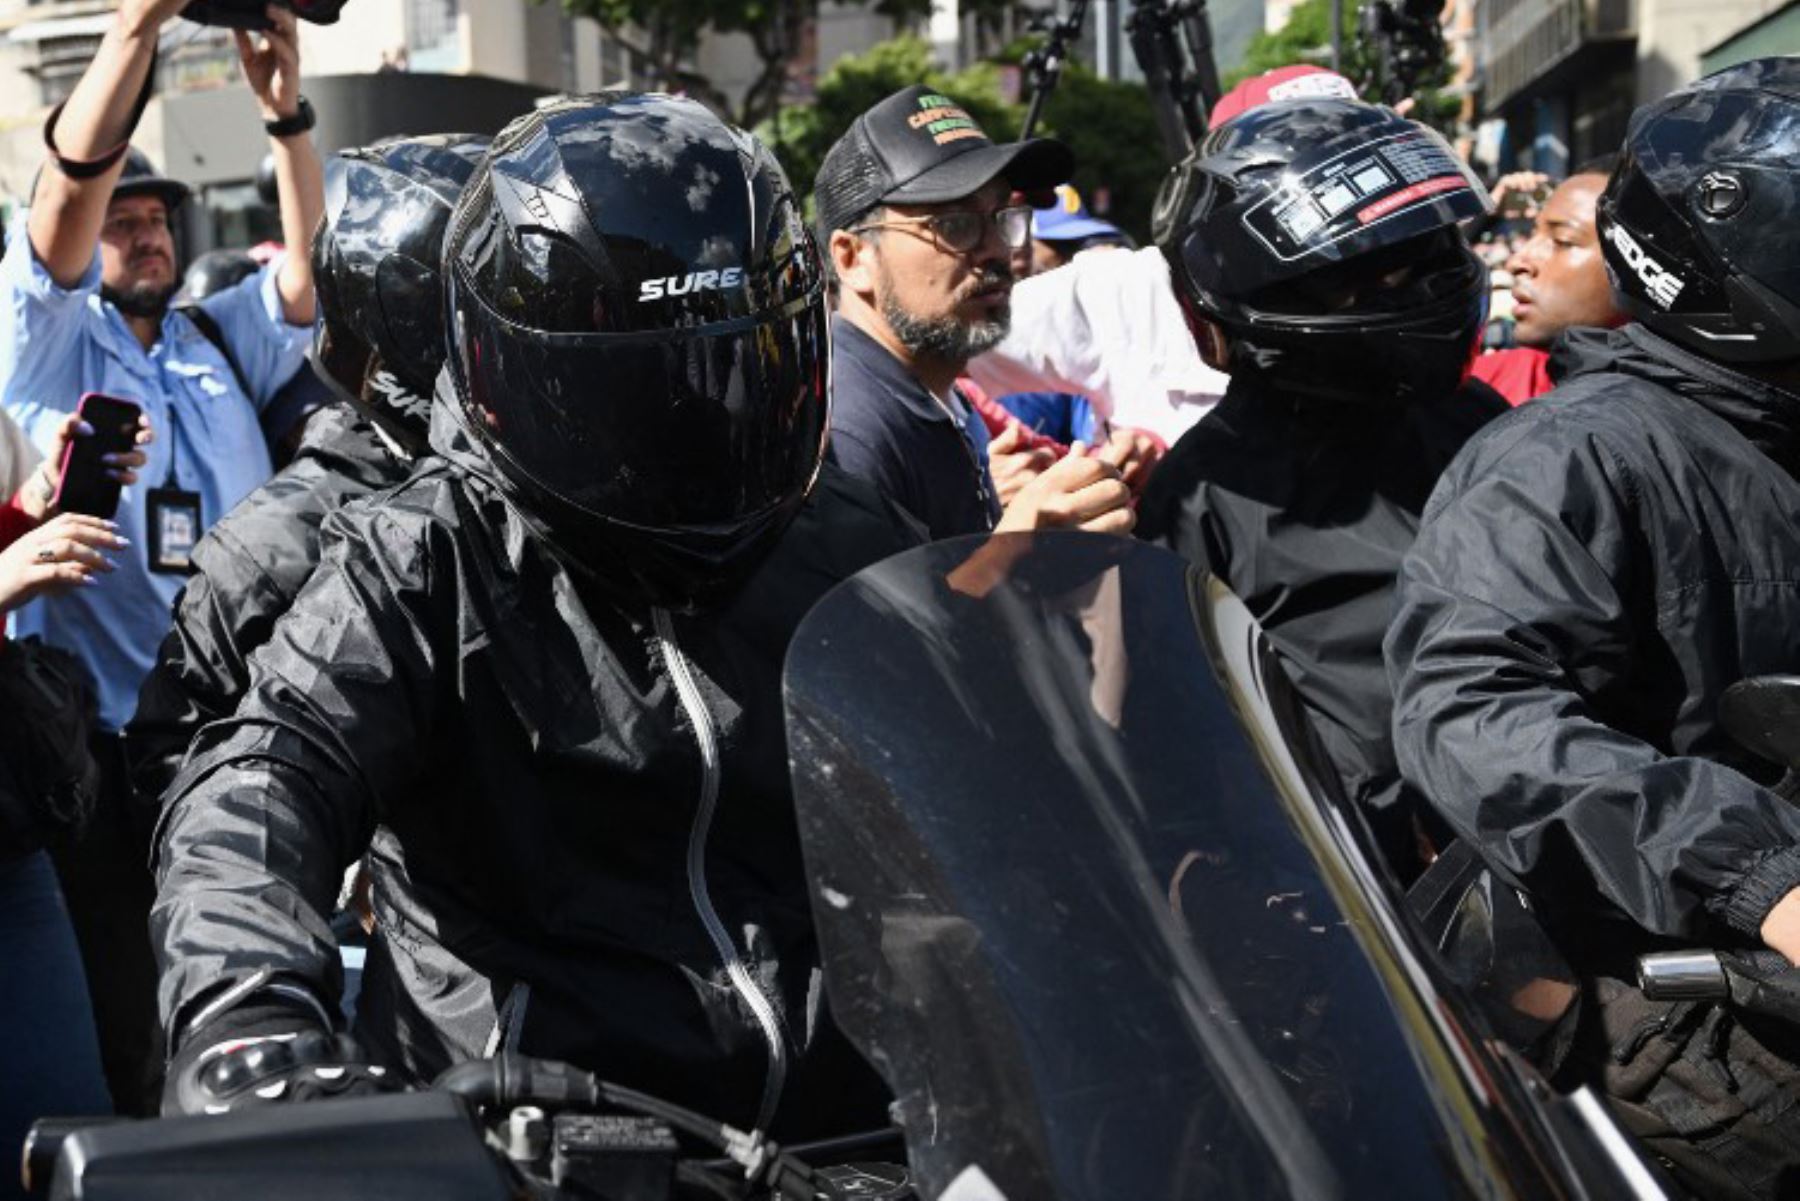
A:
x,y
174,479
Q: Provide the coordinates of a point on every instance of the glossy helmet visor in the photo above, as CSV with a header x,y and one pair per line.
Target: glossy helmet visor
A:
x,y
380,338
1412,314
1700,223
640,340
1322,236
672,435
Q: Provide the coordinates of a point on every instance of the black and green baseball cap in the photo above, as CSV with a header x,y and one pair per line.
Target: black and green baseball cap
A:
x,y
919,146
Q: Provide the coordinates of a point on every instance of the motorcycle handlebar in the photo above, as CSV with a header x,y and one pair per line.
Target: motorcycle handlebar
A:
x,y
1682,976
1697,975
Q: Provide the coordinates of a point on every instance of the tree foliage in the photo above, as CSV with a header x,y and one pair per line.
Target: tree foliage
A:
x,y
663,33
1109,126
666,34
1112,130
801,134
1306,38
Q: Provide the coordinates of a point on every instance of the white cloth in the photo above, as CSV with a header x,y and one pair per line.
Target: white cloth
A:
x,y
18,458
1108,326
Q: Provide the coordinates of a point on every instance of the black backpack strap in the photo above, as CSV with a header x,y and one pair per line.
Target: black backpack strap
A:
x,y
209,329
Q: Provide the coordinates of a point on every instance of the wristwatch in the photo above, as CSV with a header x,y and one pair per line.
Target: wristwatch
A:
x,y
286,127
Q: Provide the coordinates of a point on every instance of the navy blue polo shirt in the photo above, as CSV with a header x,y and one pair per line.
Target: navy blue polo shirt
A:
x,y
886,428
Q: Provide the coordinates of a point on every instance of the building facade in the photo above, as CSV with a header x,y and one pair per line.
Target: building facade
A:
x,y
389,67
1565,75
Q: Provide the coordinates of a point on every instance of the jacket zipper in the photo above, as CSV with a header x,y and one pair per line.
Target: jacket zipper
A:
x,y
509,1023
741,980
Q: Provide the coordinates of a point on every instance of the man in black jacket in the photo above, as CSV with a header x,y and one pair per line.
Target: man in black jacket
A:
x,y
915,213
540,682
1347,311
375,255
1594,570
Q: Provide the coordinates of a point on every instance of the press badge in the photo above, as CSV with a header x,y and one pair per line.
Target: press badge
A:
x,y
172,516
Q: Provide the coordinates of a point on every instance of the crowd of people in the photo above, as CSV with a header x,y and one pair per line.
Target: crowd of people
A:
x,y
589,414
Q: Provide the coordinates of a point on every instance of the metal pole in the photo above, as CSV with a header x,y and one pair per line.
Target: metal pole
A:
x,y
1106,40
1337,35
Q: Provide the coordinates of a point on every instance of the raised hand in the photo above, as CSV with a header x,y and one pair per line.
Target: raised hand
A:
x,y
271,60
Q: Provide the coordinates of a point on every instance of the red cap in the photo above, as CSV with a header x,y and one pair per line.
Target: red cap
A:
x,y
1283,83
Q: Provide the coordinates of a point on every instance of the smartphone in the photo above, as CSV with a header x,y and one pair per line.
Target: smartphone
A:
x,y
86,487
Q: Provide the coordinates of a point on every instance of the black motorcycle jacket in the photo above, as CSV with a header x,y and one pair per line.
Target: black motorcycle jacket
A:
x,y
248,569
1594,570
1304,509
578,815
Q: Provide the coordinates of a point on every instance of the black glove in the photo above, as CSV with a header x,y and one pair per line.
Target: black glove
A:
x,y
260,1054
1763,982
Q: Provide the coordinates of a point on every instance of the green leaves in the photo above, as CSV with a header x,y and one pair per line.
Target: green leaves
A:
x,y
667,33
1108,125
1306,38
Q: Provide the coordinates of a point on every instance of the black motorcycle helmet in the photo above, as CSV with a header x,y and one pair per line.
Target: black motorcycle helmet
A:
x,y
141,178
638,333
376,258
1700,223
215,271
1321,236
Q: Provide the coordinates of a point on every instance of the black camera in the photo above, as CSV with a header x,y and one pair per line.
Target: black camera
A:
x,y
253,14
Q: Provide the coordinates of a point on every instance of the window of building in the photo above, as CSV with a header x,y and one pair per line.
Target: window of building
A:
x,y
204,57
432,34
567,49
61,60
236,217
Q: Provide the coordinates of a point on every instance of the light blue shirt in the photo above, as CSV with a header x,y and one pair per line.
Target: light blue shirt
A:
x,y
57,344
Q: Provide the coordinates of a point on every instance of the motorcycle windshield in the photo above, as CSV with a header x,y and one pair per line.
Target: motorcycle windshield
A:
x,y
1054,802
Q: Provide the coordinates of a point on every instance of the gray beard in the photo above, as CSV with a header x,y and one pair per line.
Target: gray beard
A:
x,y
948,339
140,300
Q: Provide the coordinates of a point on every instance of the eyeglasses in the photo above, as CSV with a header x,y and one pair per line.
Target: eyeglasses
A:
x,y
125,228
962,230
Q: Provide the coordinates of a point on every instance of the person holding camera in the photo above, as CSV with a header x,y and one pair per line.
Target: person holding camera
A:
x,y
87,279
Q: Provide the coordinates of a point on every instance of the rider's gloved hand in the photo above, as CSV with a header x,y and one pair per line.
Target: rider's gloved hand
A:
x,y
1763,982
264,1053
